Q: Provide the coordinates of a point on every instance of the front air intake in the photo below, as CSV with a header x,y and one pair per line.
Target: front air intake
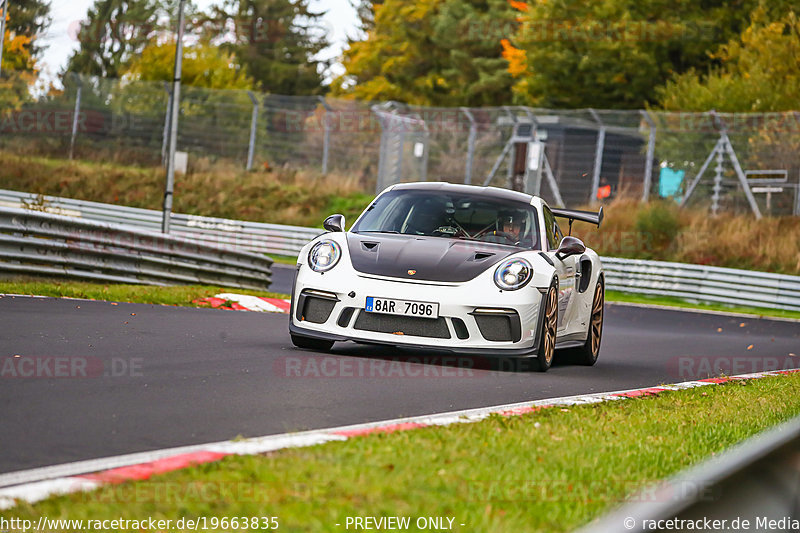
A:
x,y
498,325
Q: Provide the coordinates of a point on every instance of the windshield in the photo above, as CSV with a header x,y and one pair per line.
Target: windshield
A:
x,y
452,215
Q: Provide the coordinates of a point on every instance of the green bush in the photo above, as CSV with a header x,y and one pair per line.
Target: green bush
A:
x,y
659,225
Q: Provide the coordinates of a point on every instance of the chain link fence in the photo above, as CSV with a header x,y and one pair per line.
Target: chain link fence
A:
x,y
725,162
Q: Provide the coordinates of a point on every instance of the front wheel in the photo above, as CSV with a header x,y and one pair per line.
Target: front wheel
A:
x,y
547,341
587,354
310,343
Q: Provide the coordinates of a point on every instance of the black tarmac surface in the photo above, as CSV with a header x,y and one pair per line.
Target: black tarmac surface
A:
x,y
82,380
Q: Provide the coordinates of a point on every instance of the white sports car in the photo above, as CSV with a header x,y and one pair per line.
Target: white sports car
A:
x,y
456,267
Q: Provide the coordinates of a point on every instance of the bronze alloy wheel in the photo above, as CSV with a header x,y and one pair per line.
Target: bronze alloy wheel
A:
x,y
587,354
596,325
547,345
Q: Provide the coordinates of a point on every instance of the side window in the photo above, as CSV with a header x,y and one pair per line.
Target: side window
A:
x,y
551,230
559,234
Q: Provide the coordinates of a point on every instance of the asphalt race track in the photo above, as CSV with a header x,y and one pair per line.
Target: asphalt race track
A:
x,y
94,379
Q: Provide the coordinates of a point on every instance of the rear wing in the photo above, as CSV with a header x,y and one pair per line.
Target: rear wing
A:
x,y
584,216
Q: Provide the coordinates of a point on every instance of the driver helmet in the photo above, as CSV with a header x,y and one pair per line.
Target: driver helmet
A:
x,y
512,219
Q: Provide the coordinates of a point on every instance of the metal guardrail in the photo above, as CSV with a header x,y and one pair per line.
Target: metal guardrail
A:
x,y
755,481
692,282
253,236
703,283
45,243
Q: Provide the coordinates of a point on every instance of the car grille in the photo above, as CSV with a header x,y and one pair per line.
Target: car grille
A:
x,y
406,325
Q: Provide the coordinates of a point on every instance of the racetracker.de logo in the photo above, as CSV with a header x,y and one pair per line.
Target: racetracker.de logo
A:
x,y
423,367
689,367
77,367
50,121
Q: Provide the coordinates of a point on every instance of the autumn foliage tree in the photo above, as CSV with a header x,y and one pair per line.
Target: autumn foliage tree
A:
x,y
25,20
203,65
758,71
431,52
615,54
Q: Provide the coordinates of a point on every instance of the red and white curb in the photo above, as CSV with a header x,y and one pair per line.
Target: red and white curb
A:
x,y
37,484
243,302
229,301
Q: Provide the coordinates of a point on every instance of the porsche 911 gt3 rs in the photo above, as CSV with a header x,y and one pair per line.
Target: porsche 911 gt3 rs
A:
x,y
469,269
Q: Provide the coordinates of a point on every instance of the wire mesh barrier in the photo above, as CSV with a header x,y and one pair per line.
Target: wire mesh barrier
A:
x,y
725,162
699,283
33,242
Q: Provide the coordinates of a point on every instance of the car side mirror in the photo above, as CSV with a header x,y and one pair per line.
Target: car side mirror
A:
x,y
334,223
570,246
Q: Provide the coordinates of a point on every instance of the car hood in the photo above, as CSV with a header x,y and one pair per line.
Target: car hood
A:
x,y
429,258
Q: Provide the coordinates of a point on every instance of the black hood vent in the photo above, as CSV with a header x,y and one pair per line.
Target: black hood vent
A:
x,y
424,258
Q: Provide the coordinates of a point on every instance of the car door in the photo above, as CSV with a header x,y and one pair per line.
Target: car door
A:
x,y
565,267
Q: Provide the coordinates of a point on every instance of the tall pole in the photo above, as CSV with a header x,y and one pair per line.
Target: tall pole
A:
x,y
3,31
75,115
173,123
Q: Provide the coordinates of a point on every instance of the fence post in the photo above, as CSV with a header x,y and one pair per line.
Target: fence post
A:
x,y
253,122
75,115
167,117
473,132
598,156
327,137
173,123
3,29
648,166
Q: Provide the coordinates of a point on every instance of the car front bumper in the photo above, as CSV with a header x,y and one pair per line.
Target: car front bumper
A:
x,y
475,316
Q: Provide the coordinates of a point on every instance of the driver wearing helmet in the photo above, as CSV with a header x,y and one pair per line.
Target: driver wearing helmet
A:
x,y
512,226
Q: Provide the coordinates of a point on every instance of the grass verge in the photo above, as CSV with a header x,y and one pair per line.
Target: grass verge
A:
x,y
552,470
145,294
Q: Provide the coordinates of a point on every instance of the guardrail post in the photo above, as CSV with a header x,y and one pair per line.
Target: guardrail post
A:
x,y
327,137
473,132
598,156
75,115
648,166
253,122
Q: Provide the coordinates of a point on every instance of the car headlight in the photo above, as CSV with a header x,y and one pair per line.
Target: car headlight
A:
x,y
513,274
324,255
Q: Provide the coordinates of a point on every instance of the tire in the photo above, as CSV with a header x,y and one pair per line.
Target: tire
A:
x,y
547,337
309,343
587,354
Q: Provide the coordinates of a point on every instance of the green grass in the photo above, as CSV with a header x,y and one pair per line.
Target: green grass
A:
x,y
616,296
147,294
551,470
284,259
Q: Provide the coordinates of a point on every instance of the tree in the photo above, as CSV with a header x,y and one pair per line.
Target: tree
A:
x,y
204,65
758,71
25,20
18,71
614,54
276,40
432,52
29,18
114,32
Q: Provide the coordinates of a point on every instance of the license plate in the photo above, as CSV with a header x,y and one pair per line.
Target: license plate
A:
x,y
391,306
